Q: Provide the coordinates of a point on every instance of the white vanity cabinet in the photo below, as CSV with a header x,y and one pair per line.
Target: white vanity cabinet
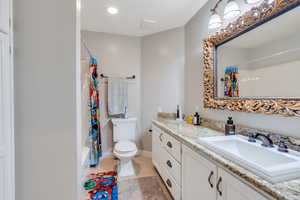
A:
x,y
203,179
190,176
166,157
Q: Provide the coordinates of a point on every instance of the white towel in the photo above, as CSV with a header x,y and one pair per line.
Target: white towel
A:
x,y
117,96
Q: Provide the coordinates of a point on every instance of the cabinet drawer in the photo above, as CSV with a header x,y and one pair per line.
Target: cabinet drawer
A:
x,y
170,184
171,165
158,135
172,146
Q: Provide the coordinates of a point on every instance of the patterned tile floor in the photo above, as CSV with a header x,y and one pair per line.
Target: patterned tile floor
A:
x,y
145,185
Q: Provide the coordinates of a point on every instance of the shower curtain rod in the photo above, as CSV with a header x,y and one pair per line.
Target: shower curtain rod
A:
x,y
86,47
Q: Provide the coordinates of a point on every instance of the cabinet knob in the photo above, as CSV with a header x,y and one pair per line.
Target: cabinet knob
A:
x,y
169,144
209,179
169,163
169,183
218,186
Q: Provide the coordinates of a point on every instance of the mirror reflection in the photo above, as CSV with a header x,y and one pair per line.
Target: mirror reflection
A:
x,y
263,62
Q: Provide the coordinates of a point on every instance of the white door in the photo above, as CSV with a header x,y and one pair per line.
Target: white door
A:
x,y
198,177
6,121
230,188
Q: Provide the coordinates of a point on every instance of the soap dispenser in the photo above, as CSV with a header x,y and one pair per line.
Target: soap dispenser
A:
x,y
229,127
179,114
196,120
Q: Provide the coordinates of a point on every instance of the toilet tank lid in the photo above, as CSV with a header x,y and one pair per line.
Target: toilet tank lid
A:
x,y
123,120
125,146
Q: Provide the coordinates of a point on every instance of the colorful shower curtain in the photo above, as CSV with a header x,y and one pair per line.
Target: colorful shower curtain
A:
x,y
95,133
231,88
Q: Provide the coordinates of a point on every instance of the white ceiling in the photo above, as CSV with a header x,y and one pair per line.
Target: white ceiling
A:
x,y
167,13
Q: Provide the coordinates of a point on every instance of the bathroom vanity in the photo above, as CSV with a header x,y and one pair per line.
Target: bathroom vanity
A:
x,y
190,170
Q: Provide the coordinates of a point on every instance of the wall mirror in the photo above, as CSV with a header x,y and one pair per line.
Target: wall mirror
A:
x,y
253,65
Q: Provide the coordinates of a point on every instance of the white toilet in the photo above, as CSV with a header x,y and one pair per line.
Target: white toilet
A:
x,y
125,148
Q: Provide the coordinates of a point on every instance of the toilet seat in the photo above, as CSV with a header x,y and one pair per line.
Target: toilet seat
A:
x,y
125,147
125,151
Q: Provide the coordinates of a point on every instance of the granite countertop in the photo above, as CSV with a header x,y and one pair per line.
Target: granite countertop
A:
x,y
188,134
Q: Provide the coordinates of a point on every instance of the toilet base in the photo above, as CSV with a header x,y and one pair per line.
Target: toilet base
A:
x,y
126,168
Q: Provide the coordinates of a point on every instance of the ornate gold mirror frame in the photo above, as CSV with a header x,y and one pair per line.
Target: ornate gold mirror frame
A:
x,y
251,19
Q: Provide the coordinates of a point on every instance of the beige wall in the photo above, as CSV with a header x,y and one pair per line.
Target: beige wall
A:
x,y
162,76
117,55
45,99
156,60
196,30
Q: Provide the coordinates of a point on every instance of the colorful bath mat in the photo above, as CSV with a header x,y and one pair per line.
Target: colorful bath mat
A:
x,y
102,186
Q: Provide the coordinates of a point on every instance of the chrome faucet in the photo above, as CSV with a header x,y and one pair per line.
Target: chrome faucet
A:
x,y
282,147
266,140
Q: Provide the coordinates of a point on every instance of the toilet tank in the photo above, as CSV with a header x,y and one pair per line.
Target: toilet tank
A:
x,y
124,129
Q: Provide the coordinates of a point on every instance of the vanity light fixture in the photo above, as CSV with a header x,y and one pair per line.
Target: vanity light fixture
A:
x,y
215,21
112,10
232,10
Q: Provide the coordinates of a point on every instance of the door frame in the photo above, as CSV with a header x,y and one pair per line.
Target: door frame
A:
x,y
7,95
79,167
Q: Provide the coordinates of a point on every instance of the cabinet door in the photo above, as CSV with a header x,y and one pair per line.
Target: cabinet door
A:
x,y
198,177
230,188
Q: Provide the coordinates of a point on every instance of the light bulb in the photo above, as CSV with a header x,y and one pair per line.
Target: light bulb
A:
x,y
112,10
215,21
232,10
252,1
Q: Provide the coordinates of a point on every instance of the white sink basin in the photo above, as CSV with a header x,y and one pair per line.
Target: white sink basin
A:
x,y
268,163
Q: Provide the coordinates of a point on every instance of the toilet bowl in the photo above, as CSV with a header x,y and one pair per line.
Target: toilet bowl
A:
x,y
125,151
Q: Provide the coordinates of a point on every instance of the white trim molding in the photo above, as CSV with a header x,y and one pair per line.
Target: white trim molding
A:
x,y
81,156
7,146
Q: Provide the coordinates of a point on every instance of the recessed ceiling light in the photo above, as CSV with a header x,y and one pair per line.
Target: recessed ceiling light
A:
x,y
150,21
112,10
